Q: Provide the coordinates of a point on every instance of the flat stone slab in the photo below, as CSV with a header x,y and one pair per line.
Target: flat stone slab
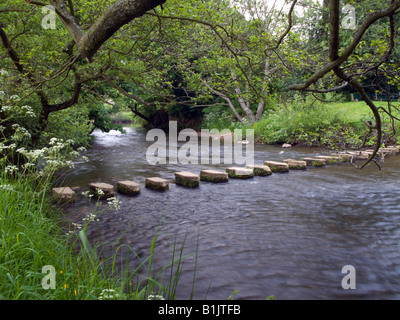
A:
x,y
276,166
260,170
343,157
315,162
63,194
106,190
239,173
129,188
214,176
187,179
359,155
156,183
389,151
296,164
330,159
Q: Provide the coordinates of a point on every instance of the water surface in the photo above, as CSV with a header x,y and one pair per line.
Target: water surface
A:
x,y
287,235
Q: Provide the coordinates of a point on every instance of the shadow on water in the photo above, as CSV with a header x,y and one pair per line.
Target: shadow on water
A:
x,y
287,235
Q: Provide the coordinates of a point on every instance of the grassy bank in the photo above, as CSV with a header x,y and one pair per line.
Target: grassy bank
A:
x,y
34,235
329,125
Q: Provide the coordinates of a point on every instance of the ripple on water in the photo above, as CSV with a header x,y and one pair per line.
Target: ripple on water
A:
x,y
286,235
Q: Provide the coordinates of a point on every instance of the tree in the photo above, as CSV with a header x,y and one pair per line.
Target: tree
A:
x,y
340,55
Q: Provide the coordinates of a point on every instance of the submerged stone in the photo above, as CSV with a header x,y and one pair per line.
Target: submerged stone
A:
x,y
260,170
187,179
277,166
315,162
240,173
213,176
156,183
63,194
330,159
129,188
102,190
296,164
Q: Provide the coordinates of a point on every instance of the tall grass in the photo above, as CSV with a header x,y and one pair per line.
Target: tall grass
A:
x,y
33,235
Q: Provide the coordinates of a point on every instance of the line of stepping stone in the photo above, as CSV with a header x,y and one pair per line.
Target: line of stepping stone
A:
x,y
191,180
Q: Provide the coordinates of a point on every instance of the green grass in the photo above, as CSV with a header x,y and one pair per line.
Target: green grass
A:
x,y
32,237
354,112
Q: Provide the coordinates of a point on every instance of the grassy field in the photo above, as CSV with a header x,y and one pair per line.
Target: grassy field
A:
x,y
355,111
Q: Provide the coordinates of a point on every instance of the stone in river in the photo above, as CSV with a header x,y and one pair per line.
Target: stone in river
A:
x,y
260,170
63,194
276,166
296,164
315,162
187,179
102,190
240,173
156,183
129,188
213,176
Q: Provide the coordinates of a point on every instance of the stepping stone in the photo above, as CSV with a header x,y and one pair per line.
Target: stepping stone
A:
x,y
187,179
296,164
315,162
213,176
260,170
330,159
63,194
106,190
156,183
128,188
343,157
277,166
359,155
389,150
286,145
240,173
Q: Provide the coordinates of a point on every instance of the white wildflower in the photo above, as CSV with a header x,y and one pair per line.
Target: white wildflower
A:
x,y
15,97
90,217
74,154
2,95
6,187
11,169
28,165
21,150
155,297
70,141
113,203
81,149
108,294
30,114
3,72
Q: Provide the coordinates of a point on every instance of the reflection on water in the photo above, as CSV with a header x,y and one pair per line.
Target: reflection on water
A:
x,y
287,235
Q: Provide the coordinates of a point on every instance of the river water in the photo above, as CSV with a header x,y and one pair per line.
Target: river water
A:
x,y
286,235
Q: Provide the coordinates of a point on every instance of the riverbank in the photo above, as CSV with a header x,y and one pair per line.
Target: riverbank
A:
x,y
45,257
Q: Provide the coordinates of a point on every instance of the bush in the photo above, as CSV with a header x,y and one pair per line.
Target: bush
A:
x,y
289,122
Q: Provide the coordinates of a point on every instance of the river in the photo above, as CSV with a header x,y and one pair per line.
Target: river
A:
x,y
286,235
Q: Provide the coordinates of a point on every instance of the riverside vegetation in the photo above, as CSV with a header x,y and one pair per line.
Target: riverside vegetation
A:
x,y
34,234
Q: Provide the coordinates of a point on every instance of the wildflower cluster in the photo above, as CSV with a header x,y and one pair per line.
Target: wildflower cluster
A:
x,y
108,294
